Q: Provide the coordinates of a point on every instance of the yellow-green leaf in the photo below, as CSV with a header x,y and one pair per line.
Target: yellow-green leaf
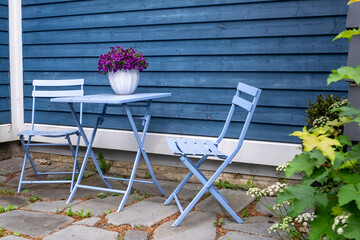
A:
x,y
352,1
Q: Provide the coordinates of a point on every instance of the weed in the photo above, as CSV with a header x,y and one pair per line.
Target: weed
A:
x,y
245,212
104,166
57,210
147,175
225,185
34,198
101,195
108,211
7,192
9,208
175,179
1,184
138,226
17,234
26,190
206,194
219,222
80,214
1,232
116,194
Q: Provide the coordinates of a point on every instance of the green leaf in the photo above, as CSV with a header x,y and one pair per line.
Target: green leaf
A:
x,y
317,154
352,231
345,72
348,193
301,162
302,195
344,140
349,111
321,226
321,198
348,33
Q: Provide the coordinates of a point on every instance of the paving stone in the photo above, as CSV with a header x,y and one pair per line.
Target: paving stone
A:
x,y
32,223
257,224
80,232
100,206
238,200
196,225
264,210
135,235
12,237
88,221
145,213
188,192
14,200
96,181
3,179
12,165
243,236
50,206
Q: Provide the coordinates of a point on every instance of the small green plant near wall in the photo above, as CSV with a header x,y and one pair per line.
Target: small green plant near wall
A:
x,y
104,166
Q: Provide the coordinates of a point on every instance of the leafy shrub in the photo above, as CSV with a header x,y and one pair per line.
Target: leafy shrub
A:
x,y
319,112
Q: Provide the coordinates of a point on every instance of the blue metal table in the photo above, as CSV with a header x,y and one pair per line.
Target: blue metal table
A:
x,y
114,100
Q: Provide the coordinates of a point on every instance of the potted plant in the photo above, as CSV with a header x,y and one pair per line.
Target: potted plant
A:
x,y
123,67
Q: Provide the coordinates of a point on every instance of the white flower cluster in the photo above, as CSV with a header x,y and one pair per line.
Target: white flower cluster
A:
x,y
305,218
338,104
282,167
283,225
276,188
340,223
279,205
320,122
257,192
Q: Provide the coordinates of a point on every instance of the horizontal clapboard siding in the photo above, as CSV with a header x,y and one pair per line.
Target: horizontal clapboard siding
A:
x,y
5,116
198,51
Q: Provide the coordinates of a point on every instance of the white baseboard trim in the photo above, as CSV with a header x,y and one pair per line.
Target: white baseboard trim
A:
x,y
254,152
6,133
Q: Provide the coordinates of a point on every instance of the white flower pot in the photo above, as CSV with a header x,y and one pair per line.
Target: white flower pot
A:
x,y
124,82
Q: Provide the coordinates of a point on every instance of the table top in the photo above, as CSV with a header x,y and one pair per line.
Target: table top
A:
x,y
111,98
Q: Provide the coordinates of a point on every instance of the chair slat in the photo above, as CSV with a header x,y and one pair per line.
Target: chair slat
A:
x,y
54,83
191,144
172,146
242,87
202,147
64,93
182,146
214,149
242,103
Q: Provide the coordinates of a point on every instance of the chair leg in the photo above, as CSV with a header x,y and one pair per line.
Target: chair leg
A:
x,y
207,186
27,156
74,154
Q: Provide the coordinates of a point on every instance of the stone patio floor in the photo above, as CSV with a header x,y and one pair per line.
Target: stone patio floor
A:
x,y
144,217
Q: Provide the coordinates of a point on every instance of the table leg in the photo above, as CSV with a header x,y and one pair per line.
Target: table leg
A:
x,y
89,151
141,151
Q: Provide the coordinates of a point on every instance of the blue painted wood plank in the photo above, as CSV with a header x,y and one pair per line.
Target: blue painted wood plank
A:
x,y
4,91
280,45
272,10
4,37
4,78
4,104
265,80
263,63
266,132
36,2
233,29
4,64
4,51
5,117
274,115
269,98
4,24
4,11
109,6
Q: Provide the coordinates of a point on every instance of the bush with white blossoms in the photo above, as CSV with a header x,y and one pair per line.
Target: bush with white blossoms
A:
x,y
340,223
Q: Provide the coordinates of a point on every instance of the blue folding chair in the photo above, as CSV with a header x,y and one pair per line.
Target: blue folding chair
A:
x,y
49,89
205,148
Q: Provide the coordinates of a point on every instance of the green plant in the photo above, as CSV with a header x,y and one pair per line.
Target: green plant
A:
x,y
57,209
34,198
80,214
245,212
219,222
7,192
17,233
225,185
138,226
69,211
319,112
9,208
147,175
101,195
104,166
107,211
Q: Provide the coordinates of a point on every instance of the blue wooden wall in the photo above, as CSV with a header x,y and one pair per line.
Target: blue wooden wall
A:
x,y
5,115
198,50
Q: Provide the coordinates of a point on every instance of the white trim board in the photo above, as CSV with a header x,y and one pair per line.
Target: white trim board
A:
x,y
5,133
254,152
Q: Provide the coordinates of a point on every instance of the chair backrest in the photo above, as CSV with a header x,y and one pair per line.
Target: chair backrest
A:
x,y
56,88
248,106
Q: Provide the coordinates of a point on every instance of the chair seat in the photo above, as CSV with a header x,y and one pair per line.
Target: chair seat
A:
x,y
48,133
195,147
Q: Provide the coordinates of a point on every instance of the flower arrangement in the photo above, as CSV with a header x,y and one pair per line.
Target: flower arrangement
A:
x,y
121,59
